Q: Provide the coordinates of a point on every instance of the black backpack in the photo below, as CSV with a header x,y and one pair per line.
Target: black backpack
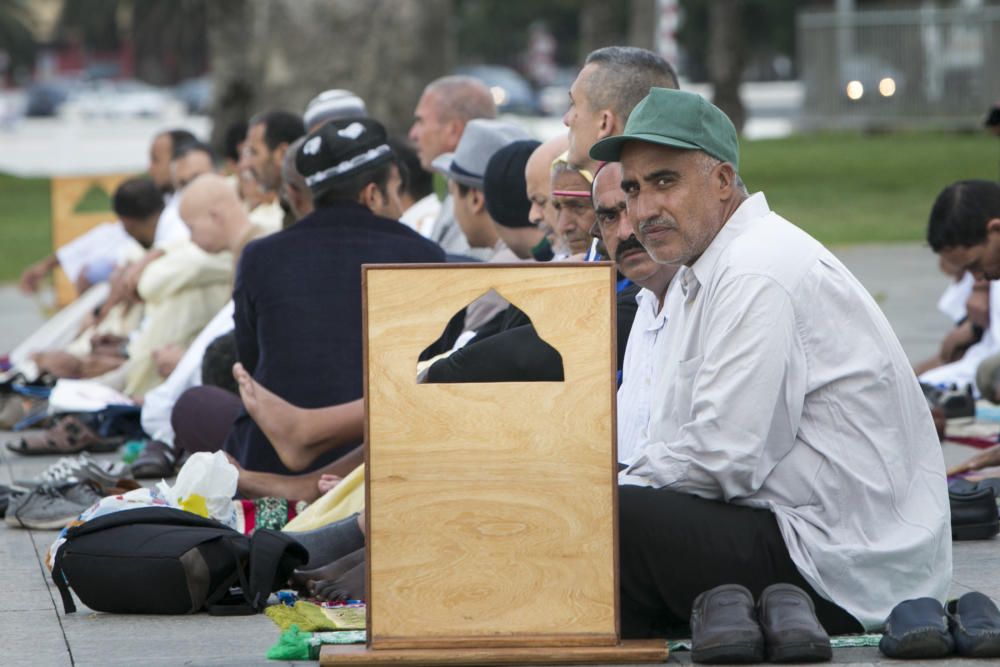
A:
x,y
160,560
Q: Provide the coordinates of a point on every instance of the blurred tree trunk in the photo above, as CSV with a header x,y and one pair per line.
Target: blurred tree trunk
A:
x,y
278,54
642,24
169,38
598,26
726,57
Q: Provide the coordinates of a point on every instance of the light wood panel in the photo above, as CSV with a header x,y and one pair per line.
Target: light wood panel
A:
x,y
491,507
627,652
67,224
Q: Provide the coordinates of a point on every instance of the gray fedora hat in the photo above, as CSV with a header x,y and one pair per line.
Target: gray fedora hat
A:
x,y
480,140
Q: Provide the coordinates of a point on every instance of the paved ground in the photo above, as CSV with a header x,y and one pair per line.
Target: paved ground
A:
x,y
33,629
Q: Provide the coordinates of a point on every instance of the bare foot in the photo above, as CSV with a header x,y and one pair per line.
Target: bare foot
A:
x,y
276,417
254,484
301,580
348,586
327,482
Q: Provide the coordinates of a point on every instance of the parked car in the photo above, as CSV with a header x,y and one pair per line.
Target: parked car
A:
x,y
45,98
511,91
126,98
869,78
196,94
554,98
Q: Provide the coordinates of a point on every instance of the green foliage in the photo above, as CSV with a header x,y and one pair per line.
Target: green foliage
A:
x,y
496,31
16,37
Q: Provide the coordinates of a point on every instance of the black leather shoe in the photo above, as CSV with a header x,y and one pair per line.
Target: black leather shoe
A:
x,y
973,513
917,629
156,461
975,625
724,627
792,632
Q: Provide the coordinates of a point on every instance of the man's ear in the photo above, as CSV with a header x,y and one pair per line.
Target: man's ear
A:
x,y
279,154
606,127
725,178
454,131
477,200
370,197
993,225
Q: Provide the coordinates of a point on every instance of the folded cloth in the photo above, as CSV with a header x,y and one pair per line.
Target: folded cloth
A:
x,y
340,502
307,616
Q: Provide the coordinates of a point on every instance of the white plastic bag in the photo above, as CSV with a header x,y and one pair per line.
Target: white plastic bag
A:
x,y
205,486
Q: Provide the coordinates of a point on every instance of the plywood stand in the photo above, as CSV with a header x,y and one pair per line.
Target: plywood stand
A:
x,y
68,223
491,507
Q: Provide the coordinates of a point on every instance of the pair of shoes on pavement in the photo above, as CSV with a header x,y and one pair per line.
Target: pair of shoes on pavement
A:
x,y
727,627
922,628
54,506
77,469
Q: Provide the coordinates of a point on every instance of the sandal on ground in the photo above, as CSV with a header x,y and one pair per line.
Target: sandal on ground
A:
x,y
156,461
68,436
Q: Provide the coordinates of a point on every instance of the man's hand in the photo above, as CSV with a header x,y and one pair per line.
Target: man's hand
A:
x,y
985,459
957,342
32,276
166,358
134,273
977,307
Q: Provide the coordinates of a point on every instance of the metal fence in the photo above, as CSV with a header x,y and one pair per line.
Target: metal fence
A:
x,y
923,67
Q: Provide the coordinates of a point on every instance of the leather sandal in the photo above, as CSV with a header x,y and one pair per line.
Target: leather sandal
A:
x,y
68,436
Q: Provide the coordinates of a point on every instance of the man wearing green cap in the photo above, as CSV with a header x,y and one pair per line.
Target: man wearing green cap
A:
x,y
788,439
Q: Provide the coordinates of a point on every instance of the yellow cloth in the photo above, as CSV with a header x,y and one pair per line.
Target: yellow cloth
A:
x,y
338,503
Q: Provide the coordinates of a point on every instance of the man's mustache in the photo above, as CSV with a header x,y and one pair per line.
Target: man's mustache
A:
x,y
666,223
631,243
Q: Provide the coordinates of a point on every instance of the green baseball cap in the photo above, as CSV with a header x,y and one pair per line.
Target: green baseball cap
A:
x,y
678,119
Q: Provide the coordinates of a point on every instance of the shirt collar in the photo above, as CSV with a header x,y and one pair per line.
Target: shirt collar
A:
x,y
752,208
648,302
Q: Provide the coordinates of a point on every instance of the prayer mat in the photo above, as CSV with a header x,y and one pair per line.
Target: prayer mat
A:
x,y
308,617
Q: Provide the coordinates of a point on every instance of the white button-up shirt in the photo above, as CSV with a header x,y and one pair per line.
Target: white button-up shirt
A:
x,y
784,387
644,357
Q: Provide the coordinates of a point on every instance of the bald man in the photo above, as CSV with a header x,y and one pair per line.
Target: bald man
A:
x,y
217,219
537,175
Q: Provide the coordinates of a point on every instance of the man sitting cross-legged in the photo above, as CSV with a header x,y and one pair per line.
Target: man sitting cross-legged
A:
x,y
298,292
788,439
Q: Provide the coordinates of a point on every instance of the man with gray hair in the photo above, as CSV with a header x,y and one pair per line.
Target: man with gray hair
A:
x,y
445,107
779,450
613,80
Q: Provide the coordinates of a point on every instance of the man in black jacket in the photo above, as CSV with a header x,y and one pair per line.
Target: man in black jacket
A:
x,y
298,292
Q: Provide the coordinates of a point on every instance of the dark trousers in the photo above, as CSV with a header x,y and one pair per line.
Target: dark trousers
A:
x,y
673,546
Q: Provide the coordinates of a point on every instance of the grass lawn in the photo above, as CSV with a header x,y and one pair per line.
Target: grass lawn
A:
x,y
842,188
25,229
851,188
